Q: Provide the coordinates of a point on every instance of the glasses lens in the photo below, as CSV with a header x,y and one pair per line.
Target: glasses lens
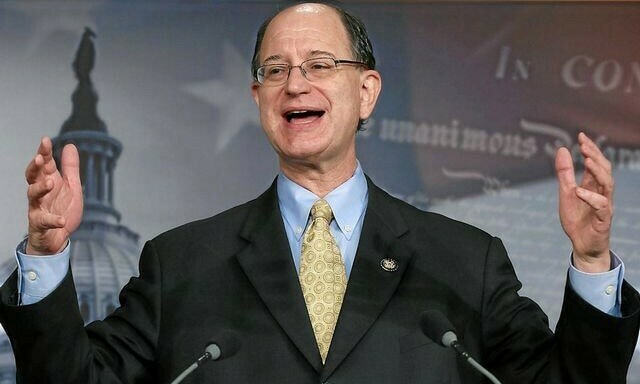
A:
x,y
312,69
273,74
319,68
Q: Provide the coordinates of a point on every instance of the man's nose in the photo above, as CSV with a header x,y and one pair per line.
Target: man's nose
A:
x,y
297,81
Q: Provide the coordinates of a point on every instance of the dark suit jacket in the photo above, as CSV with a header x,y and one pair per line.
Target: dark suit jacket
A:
x,y
235,271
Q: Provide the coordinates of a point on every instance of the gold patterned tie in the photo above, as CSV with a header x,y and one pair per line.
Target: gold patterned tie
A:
x,y
322,276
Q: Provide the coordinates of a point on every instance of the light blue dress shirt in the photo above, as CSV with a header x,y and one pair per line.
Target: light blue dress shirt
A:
x,y
40,275
348,203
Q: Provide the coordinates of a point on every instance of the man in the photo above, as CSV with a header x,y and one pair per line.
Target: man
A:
x,y
252,270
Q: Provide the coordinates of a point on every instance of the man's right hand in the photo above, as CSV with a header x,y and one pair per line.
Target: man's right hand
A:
x,y
55,200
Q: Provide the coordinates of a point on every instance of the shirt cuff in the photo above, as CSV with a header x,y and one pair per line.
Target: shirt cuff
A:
x,y
602,290
38,276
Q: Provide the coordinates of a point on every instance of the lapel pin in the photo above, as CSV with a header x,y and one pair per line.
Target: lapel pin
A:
x,y
388,264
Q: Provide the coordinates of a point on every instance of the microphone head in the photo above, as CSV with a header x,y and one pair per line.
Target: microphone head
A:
x,y
226,344
213,350
435,325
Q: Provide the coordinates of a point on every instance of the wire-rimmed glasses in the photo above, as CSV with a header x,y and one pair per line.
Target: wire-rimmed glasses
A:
x,y
314,69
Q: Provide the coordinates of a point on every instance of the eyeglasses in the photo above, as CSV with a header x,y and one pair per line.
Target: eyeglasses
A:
x,y
318,68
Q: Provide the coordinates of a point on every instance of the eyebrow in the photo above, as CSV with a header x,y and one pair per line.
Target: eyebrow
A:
x,y
321,53
314,53
272,58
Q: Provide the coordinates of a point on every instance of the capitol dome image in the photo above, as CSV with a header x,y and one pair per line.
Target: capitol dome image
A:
x,y
104,253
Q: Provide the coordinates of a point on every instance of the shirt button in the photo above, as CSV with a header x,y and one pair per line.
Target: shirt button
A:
x,y
609,290
298,230
32,276
347,228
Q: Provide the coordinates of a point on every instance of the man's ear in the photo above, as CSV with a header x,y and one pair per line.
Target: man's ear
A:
x,y
371,87
254,92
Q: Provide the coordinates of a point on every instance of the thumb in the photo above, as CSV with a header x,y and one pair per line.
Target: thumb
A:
x,y
564,170
70,164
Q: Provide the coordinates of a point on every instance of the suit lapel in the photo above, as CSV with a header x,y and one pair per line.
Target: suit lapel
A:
x,y
370,287
268,264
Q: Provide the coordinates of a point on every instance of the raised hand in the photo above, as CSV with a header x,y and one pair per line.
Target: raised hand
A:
x,y
586,210
55,200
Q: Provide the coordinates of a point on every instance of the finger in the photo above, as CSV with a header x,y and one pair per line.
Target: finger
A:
x,y
588,181
70,163
589,149
564,170
597,202
46,148
34,169
601,176
596,158
37,190
42,163
44,220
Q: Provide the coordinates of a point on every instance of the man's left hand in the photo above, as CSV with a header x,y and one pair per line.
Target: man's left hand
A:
x,y
586,210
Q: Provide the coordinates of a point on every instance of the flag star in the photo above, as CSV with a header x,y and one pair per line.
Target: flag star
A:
x,y
230,94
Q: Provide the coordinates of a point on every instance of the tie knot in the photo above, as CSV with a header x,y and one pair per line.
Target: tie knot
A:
x,y
321,209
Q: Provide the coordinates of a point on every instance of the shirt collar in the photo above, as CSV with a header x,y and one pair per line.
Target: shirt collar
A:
x,y
348,202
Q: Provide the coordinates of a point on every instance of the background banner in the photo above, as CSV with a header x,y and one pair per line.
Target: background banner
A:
x,y
476,99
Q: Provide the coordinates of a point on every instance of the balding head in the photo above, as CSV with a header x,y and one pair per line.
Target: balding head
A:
x,y
356,32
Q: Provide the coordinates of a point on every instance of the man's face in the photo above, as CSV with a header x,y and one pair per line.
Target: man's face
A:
x,y
313,123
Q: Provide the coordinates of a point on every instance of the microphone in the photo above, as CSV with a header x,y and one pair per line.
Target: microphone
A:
x,y
225,345
435,325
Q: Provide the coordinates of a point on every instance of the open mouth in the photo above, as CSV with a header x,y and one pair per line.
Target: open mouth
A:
x,y
302,115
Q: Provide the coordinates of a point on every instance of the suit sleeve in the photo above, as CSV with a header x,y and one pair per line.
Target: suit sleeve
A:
x,y
51,344
589,346
597,347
